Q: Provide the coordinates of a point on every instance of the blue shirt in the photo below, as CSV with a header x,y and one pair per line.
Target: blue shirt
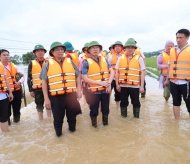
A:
x,y
85,71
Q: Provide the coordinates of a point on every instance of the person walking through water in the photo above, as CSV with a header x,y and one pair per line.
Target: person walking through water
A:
x,y
12,72
4,96
162,64
98,75
116,53
34,81
179,72
61,84
130,76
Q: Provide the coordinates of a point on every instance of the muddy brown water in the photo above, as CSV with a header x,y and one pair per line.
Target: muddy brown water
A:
x,y
154,138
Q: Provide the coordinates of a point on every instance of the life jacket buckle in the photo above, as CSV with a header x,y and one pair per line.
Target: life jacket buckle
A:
x,y
64,81
65,88
102,73
62,74
175,62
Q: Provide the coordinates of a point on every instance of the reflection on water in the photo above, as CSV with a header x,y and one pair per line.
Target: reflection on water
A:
x,y
154,138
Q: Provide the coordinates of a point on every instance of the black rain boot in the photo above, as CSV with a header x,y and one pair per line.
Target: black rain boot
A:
x,y
124,111
16,119
105,120
136,112
94,121
72,127
58,132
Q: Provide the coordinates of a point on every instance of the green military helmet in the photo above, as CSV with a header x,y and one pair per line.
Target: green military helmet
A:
x,y
111,46
69,46
56,44
39,47
85,46
94,43
131,42
117,43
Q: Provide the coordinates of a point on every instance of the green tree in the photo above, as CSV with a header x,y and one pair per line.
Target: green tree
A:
x,y
26,58
15,59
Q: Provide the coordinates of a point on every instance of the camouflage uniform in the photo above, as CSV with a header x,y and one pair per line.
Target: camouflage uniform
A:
x,y
39,97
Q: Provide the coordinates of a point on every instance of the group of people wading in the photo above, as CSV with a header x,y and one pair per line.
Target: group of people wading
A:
x,y
59,81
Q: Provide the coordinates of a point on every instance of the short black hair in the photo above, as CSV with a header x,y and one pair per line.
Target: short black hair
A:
x,y
184,31
3,50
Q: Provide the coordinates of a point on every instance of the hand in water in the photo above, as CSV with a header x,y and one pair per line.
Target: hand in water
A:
x,y
32,94
47,104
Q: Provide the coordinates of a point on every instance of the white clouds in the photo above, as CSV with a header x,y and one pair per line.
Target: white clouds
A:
x,y
151,23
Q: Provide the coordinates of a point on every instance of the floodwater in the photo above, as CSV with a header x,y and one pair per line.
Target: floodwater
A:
x,y
154,138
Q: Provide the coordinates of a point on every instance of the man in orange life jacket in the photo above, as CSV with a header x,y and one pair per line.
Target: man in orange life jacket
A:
x,y
116,53
162,64
130,78
61,84
138,51
179,72
69,53
11,72
34,81
83,57
110,51
98,75
4,97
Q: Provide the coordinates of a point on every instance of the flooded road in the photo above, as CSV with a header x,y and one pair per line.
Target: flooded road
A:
x,y
154,138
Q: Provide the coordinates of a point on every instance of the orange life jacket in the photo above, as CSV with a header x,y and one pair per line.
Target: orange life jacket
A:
x,y
98,72
36,70
74,57
114,58
11,76
61,78
137,51
179,64
103,54
3,84
129,71
109,54
165,61
85,56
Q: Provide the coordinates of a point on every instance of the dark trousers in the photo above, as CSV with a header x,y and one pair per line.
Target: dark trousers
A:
x,y
117,94
39,100
134,95
4,104
95,100
16,104
62,104
177,91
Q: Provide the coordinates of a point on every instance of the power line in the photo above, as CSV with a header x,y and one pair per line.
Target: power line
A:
x,y
14,48
19,41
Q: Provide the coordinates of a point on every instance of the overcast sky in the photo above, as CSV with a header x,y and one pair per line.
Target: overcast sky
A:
x,y
23,23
